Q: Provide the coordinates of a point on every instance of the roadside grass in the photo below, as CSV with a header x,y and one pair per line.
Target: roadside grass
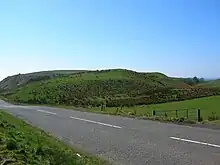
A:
x,y
22,144
209,106
217,122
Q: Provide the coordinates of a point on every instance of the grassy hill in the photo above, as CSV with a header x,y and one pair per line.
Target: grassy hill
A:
x,y
23,79
110,88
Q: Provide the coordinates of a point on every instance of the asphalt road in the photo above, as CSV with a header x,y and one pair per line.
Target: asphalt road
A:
x,y
125,141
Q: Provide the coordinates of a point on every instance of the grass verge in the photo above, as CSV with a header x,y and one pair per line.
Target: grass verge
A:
x,y
209,106
22,144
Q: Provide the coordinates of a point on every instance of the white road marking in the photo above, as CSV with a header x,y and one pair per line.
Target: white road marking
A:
x,y
8,106
47,112
24,107
95,122
196,142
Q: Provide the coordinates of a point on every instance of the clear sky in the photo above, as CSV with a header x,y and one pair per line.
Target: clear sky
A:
x,y
176,37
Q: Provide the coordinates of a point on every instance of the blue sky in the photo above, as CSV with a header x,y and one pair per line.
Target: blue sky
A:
x,y
176,37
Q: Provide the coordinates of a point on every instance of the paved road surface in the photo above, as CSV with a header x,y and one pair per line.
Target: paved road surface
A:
x,y
126,141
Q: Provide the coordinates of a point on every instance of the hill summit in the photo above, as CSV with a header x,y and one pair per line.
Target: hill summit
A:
x,y
14,81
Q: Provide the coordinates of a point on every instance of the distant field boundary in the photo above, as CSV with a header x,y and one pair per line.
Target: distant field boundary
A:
x,y
189,114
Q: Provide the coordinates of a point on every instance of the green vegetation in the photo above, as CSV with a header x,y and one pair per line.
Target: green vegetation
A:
x,y
22,144
23,79
194,81
123,92
210,112
209,107
108,88
212,83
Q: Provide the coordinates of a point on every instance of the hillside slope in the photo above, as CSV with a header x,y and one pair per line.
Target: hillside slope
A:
x,y
23,79
108,87
211,83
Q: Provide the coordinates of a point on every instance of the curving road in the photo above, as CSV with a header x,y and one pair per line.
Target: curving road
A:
x,y
125,141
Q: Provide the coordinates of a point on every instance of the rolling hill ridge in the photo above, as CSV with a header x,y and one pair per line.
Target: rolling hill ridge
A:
x,y
15,81
112,88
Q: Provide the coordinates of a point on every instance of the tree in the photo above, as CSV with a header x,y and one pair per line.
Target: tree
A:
x,y
201,80
196,80
189,81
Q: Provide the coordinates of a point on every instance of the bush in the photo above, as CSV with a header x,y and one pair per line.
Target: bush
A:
x,y
11,144
182,119
213,117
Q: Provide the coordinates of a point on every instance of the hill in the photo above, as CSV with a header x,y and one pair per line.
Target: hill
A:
x,y
23,79
112,88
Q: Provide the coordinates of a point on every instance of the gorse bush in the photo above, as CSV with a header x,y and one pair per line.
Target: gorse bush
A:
x,y
213,117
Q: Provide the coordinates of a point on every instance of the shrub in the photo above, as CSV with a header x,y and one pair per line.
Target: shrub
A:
x,y
11,144
213,117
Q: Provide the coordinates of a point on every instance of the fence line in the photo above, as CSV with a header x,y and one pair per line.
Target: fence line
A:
x,y
194,114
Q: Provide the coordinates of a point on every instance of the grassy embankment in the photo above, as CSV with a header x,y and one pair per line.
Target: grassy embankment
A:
x,y
209,106
22,144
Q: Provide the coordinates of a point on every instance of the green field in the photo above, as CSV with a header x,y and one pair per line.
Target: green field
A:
x,y
208,106
212,83
22,144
